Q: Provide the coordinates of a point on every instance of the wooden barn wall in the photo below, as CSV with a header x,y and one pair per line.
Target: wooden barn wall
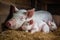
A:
x,y
19,3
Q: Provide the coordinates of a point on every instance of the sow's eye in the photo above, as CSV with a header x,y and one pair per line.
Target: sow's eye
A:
x,y
22,18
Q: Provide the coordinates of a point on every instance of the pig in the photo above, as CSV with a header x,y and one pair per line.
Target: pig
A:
x,y
35,27
17,19
42,20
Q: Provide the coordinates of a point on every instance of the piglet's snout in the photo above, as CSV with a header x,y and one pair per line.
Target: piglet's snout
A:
x,y
10,23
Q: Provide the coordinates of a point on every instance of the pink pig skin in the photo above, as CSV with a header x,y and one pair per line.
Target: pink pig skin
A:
x,y
36,27
11,23
17,20
40,18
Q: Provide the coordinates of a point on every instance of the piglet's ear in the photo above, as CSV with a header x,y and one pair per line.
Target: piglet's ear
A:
x,y
30,13
13,8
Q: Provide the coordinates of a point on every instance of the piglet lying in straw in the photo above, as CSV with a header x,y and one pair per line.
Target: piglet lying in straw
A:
x,y
34,27
39,21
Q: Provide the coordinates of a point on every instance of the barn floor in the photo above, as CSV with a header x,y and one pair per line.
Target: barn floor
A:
x,y
21,35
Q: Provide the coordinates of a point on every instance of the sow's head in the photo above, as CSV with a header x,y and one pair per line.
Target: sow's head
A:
x,y
19,17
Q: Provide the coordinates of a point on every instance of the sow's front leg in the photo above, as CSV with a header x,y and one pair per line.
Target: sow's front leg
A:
x,y
35,28
45,28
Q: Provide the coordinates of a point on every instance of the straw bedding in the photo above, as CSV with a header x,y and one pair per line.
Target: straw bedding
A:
x,y
22,35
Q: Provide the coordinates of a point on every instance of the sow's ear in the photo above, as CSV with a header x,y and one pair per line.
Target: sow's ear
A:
x,y
30,13
13,9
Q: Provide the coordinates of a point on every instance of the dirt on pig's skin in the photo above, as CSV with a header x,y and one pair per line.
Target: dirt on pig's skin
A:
x,y
22,35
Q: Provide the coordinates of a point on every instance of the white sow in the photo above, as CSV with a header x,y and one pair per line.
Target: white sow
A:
x,y
42,21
